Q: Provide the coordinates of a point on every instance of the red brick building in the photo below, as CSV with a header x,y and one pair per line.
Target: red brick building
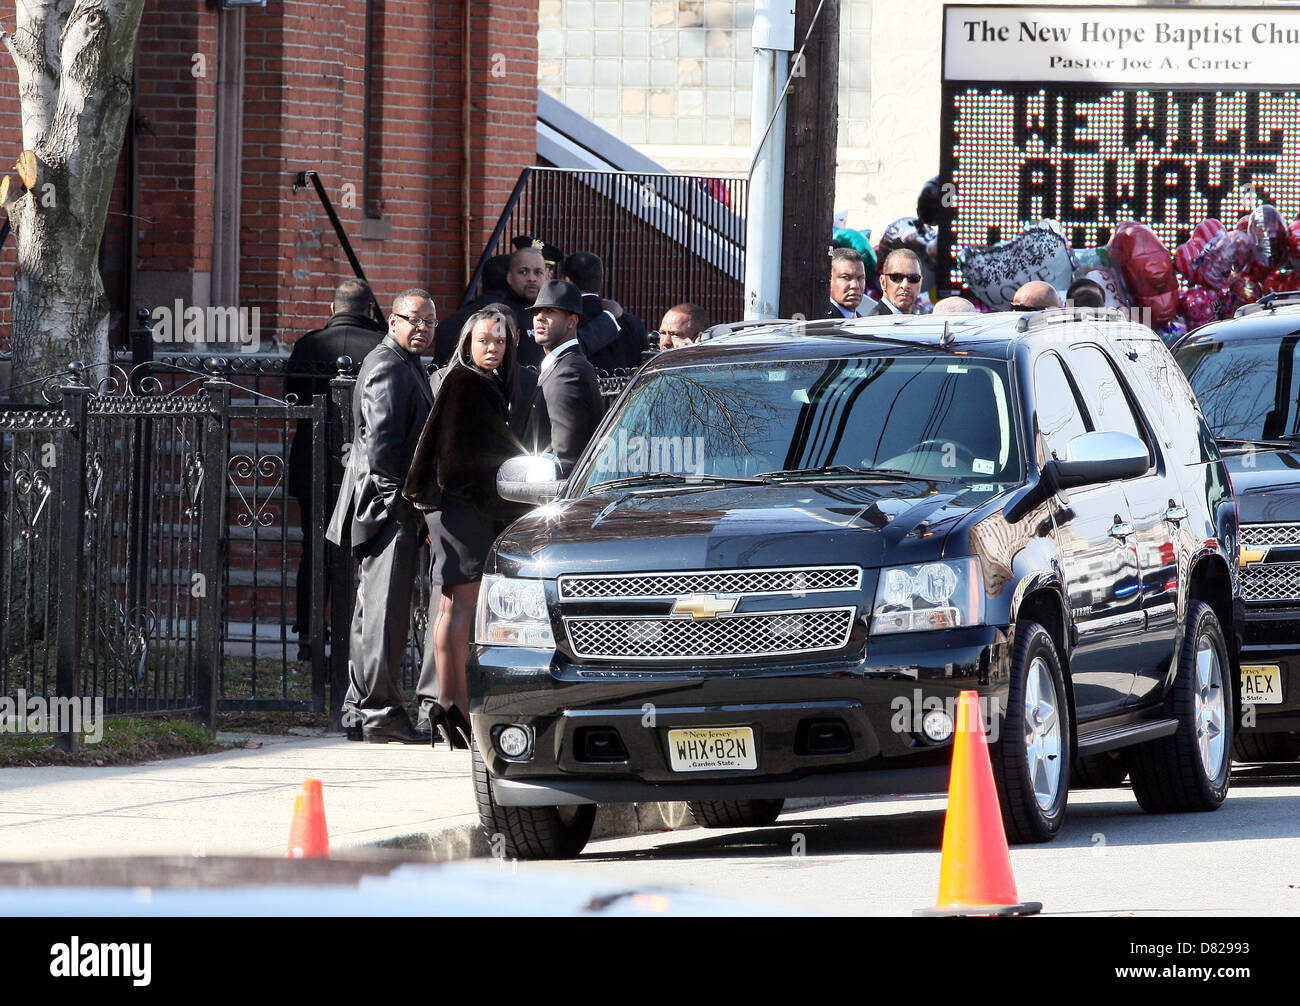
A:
x,y
378,96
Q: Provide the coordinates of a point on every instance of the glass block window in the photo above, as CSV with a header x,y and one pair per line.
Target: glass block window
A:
x,y
678,72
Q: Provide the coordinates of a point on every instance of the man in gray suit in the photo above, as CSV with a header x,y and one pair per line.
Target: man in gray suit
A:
x,y
390,403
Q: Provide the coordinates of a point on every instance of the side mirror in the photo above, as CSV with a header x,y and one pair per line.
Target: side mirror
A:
x,y
1094,458
531,479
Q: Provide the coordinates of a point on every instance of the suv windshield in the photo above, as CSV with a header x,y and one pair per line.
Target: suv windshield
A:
x,y
943,417
1247,388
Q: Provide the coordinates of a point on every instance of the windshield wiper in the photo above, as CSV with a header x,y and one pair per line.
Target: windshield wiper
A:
x,y
675,479
1286,440
850,470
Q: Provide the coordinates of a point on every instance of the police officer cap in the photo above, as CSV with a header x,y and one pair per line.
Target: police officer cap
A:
x,y
549,252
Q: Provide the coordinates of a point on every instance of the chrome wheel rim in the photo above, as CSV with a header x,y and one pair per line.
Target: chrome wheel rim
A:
x,y
1042,734
1210,719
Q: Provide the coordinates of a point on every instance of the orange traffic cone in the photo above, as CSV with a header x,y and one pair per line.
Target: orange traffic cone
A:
x,y
975,874
308,838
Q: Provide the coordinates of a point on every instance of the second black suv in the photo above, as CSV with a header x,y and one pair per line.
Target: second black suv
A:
x,y
1246,374
788,549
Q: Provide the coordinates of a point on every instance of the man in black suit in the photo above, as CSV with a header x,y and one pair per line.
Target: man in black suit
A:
x,y
607,351
353,332
900,282
526,272
569,390
848,285
391,401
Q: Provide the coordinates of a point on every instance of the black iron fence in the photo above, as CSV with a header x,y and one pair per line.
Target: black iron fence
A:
x,y
151,546
663,238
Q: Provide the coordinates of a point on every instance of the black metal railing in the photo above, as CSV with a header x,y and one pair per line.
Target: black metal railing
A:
x,y
663,238
150,544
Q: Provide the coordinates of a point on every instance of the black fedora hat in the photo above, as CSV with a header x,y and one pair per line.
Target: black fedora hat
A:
x,y
559,293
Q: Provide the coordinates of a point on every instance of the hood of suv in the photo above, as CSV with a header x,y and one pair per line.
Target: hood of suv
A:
x,y
867,524
1267,485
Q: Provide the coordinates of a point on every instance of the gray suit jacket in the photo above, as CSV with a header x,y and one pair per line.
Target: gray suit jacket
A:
x,y
390,403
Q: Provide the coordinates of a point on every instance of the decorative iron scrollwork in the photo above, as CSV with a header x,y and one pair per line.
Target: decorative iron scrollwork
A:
x,y
43,419
125,640
192,477
94,483
31,491
264,467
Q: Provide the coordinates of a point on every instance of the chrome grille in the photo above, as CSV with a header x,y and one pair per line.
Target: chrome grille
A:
x,y
754,634
623,586
1271,582
1254,535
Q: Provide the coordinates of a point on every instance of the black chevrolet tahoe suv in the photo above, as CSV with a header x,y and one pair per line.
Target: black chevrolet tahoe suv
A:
x,y
787,550
1246,375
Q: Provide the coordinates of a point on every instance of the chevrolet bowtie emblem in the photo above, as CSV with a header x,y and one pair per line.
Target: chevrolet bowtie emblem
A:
x,y
703,605
1246,556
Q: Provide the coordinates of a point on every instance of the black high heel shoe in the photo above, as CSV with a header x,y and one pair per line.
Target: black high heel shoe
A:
x,y
437,724
456,729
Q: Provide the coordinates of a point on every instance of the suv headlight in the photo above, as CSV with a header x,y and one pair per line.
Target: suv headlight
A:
x,y
512,612
933,595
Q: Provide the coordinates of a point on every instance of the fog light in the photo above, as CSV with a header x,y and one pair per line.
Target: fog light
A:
x,y
513,741
937,725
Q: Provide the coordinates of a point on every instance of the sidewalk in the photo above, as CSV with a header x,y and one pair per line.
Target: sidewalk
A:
x,y
240,802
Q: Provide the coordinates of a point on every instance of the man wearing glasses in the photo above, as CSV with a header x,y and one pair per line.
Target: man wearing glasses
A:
x,y
390,403
900,283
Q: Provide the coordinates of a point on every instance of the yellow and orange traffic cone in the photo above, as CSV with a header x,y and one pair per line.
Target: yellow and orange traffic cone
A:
x,y
308,837
975,873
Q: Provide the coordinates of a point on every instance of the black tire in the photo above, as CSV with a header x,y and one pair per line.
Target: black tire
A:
x,y
1251,746
1032,806
735,813
1172,774
530,832
1102,771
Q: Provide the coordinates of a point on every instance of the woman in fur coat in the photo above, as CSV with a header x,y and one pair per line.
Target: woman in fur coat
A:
x,y
453,475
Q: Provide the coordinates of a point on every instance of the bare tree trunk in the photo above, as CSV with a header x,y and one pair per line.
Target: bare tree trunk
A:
x,y
74,63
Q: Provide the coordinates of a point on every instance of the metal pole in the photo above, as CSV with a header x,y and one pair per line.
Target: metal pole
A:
x,y
71,563
773,38
341,569
213,532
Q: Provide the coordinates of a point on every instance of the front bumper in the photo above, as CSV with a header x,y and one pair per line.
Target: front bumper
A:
x,y
1272,638
877,701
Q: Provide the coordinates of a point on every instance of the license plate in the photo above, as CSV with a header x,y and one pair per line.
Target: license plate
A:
x,y
708,749
1261,684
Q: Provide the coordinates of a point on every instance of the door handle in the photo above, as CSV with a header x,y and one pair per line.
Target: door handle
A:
x,y
1121,530
1176,513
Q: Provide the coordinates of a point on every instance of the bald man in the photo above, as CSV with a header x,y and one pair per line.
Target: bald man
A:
x,y
1035,296
954,305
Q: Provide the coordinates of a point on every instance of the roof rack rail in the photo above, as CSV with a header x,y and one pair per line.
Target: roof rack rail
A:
x,y
1268,302
731,327
835,327
1059,315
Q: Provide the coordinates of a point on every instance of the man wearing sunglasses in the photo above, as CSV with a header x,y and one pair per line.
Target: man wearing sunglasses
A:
x,y
900,283
390,403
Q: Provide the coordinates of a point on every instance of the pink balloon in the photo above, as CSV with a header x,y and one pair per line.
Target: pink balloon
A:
x,y
1200,306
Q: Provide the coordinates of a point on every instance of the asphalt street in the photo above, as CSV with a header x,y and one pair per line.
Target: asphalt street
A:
x,y
882,857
